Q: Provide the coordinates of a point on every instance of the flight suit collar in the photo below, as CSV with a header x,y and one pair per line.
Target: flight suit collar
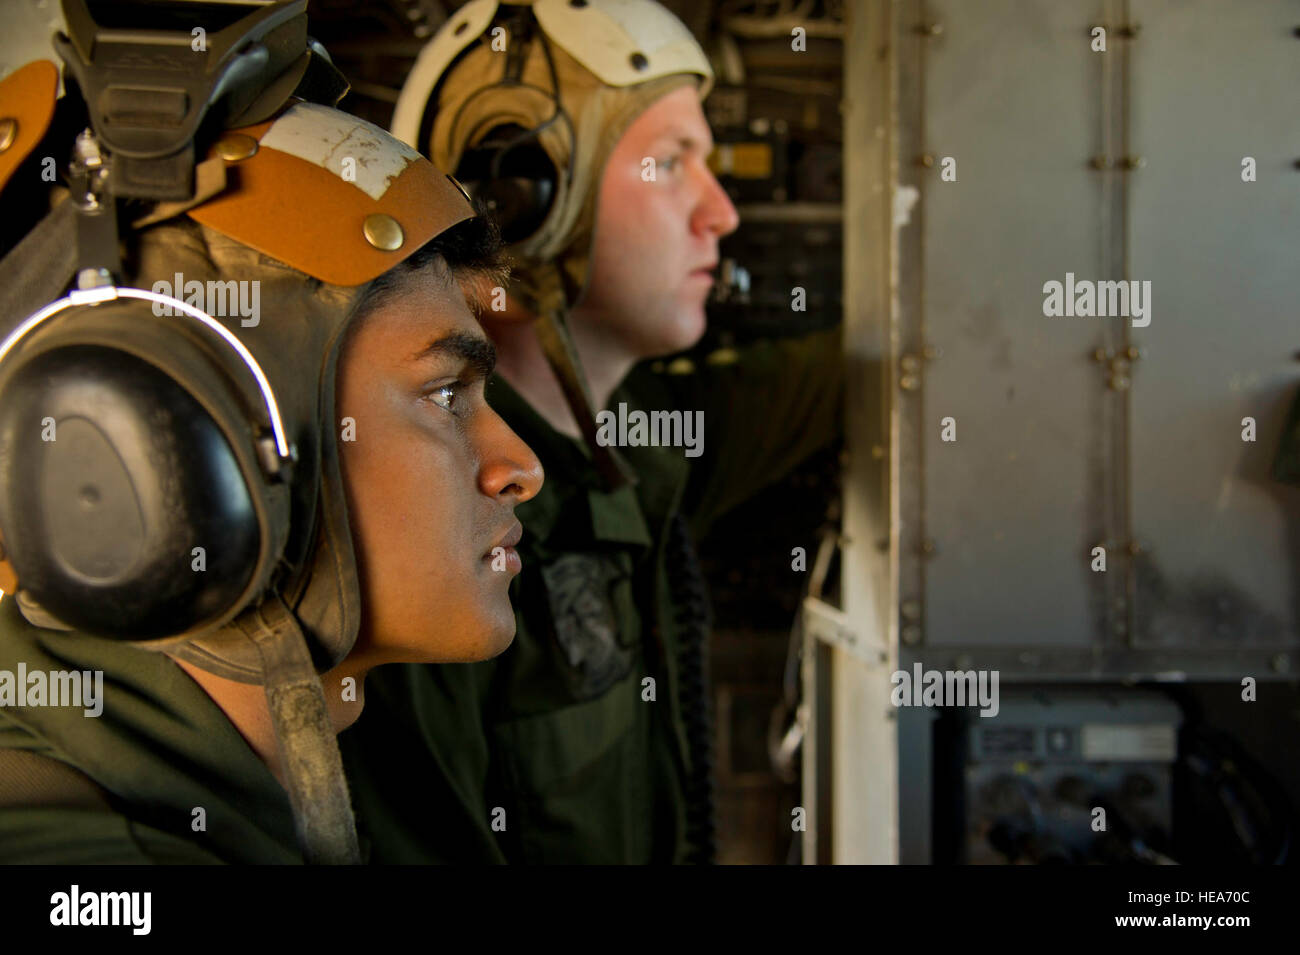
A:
x,y
625,515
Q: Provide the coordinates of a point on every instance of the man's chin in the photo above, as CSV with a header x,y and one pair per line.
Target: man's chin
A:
x,y
684,331
498,627
487,636
501,639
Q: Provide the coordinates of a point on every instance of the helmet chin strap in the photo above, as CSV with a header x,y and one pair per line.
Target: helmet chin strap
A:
x,y
545,296
304,733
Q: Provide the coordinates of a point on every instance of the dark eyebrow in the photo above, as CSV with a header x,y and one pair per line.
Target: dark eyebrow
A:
x,y
478,353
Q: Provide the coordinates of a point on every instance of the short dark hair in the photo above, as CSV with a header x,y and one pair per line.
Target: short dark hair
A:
x,y
470,253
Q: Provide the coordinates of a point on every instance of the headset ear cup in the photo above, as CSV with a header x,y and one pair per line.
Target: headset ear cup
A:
x,y
519,205
511,173
123,506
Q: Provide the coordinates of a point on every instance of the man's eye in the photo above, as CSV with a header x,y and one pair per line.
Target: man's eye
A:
x,y
446,396
670,163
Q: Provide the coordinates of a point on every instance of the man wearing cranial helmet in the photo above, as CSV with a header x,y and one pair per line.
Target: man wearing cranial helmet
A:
x,y
588,740
213,525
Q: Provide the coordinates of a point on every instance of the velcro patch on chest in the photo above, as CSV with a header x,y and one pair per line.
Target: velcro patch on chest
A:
x,y
586,625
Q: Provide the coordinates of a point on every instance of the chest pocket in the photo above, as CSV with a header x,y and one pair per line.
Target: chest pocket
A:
x,y
579,780
594,620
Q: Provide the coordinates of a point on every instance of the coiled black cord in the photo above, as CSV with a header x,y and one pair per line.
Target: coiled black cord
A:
x,y
694,618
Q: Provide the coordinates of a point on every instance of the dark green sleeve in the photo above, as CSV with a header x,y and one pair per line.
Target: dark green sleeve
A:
x,y
65,836
780,402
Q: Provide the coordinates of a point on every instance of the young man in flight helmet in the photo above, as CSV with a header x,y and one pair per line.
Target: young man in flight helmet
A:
x,y
588,740
215,520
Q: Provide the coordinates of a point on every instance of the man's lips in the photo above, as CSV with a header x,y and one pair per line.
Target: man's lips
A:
x,y
504,548
510,538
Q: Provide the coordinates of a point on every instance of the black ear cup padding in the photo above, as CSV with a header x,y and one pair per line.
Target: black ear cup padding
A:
x,y
122,504
511,172
520,205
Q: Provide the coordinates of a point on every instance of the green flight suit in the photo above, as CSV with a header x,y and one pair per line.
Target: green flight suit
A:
x,y
551,752
159,750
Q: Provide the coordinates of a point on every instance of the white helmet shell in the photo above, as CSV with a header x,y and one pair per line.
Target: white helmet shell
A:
x,y
622,43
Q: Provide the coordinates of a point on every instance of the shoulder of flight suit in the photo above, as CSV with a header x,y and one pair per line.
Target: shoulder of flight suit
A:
x,y
52,814
780,401
158,749
36,835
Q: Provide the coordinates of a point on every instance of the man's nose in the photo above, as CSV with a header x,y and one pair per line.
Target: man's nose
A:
x,y
715,212
510,469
